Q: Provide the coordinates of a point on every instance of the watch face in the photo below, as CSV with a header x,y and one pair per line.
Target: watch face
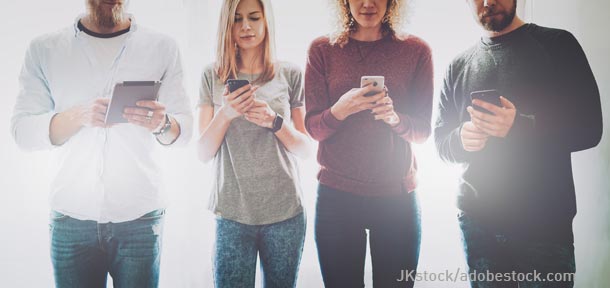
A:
x,y
166,127
277,123
168,124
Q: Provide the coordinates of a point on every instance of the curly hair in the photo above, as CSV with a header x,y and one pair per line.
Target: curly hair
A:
x,y
345,22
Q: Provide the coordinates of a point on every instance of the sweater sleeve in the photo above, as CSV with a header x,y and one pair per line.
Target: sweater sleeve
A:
x,y
416,116
319,122
572,120
448,125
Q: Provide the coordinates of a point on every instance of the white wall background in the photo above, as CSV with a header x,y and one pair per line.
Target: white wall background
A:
x,y
186,261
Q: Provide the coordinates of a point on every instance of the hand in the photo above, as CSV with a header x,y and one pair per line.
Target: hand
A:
x,y
354,101
473,139
384,110
147,114
92,114
235,103
498,124
261,114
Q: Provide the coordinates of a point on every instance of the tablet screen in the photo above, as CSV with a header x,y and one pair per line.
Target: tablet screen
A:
x,y
127,94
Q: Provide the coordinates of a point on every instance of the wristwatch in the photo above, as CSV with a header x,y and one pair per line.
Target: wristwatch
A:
x,y
163,129
277,123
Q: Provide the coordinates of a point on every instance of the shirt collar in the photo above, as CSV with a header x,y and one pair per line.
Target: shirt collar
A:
x,y
78,32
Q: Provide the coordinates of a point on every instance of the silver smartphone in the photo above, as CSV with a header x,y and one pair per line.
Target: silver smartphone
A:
x,y
376,81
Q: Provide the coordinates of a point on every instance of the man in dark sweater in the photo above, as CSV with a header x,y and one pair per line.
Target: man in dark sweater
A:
x,y
516,196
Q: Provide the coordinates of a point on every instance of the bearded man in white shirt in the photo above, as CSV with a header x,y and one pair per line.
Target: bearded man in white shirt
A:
x,y
107,209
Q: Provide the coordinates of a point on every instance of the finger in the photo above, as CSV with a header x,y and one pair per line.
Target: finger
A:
x,y
366,90
470,129
480,115
137,111
239,91
257,108
485,126
245,105
102,101
253,112
384,115
487,106
384,101
243,92
366,106
142,118
254,117
382,110
238,101
99,108
490,132
153,105
507,104
474,143
98,117
243,110
475,136
375,98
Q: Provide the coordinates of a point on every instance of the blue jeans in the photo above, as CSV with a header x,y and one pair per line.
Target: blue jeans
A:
x,y
394,232
279,246
84,252
489,251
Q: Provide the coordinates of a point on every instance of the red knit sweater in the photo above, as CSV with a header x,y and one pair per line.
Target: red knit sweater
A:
x,y
359,154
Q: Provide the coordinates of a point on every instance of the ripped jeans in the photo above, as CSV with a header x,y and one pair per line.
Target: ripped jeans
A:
x,y
84,252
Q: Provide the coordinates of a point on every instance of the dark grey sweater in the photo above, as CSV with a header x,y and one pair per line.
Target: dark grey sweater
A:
x,y
522,185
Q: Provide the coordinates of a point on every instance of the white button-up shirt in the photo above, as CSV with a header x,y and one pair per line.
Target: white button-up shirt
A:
x,y
103,174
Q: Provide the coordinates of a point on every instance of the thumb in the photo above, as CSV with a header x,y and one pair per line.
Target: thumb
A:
x,y
507,104
366,89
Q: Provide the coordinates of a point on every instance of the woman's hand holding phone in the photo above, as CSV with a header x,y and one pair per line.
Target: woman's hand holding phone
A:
x,y
238,102
354,101
261,114
384,110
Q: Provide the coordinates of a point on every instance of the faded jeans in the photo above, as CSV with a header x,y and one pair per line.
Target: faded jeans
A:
x,y
84,252
279,246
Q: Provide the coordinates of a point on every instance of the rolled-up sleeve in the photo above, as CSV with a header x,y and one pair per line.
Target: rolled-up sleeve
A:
x,y
34,107
173,95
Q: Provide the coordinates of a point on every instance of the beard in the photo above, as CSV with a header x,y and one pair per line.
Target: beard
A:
x,y
104,17
497,25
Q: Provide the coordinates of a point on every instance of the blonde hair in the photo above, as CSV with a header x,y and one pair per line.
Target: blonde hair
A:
x,y
346,24
226,50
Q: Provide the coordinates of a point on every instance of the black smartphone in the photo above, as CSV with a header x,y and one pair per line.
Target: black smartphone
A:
x,y
235,84
490,96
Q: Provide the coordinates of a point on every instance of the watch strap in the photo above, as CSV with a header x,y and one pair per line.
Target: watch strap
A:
x,y
277,123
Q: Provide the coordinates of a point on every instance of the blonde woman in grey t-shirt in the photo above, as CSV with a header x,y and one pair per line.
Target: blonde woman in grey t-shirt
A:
x,y
252,136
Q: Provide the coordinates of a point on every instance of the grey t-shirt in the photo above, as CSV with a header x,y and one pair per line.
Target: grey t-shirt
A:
x,y
256,180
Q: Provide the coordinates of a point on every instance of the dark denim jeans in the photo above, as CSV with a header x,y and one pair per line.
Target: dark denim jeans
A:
x,y
490,253
278,245
394,231
84,252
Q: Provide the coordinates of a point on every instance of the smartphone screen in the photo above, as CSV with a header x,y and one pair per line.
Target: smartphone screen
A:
x,y
235,84
489,96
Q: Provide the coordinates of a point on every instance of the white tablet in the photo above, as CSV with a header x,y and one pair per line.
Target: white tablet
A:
x,y
127,94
